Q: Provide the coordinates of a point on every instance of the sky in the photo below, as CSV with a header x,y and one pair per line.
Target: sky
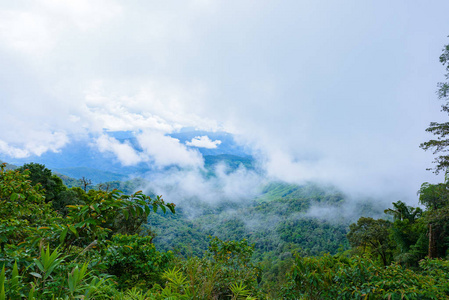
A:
x,y
337,92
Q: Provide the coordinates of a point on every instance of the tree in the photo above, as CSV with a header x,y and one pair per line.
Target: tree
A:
x,y
53,188
402,212
22,208
39,174
436,199
134,260
441,130
372,236
435,196
85,183
71,196
407,229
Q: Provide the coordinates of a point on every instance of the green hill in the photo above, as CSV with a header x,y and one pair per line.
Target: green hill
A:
x,y
95,175
274,222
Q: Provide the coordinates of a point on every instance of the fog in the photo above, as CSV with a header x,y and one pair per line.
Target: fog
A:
x,y
332,92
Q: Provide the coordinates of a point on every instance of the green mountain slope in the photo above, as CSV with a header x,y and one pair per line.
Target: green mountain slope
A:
x,y
277,223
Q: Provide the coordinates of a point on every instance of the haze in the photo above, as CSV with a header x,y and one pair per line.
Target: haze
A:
x,y
338,92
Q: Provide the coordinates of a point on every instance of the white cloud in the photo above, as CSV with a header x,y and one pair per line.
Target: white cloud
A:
x,y
38,143
157,150
84,14
337,92
13,151
124,152
203,142
166,151
186,185
150,104
25,32
37,29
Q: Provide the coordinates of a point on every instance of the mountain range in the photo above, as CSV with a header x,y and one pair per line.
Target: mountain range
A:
x,y
81,157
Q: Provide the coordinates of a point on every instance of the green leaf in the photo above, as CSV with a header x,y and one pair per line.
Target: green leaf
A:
x,y
63,235
31,294
147,210
96,208
2,292
15,276
2,280
91,221
14,197
171,207
139,210
39,265
133,211
72,229
36,274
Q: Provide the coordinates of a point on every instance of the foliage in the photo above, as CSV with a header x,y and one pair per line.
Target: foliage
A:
x,y
436,199
270,225
127,187
225,264
39,174
71,196
24,217
134,260
98,254
407,233
434,196
29,227
338,277
403,212
49,276
98,218
440,130
372,236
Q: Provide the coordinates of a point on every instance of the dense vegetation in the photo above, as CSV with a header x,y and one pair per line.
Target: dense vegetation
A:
x,y
94,246
98,244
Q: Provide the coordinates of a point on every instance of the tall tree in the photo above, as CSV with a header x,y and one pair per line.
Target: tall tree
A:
x,y
371,236
436,196
441,130
407,232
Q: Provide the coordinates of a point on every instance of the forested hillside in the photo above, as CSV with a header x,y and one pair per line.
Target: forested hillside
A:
x,y
273,226
104,244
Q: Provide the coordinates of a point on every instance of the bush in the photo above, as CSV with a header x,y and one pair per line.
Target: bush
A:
x,y
135,261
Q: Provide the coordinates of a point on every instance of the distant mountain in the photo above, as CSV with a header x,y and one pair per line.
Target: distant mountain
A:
x,y
8,166
276,226
232,161
76,154
95,175
82,158
283,190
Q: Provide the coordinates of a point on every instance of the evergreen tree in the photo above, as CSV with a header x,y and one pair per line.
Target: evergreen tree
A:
x,y
441,130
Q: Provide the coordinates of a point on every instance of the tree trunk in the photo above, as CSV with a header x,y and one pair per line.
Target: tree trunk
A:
x,y
432,243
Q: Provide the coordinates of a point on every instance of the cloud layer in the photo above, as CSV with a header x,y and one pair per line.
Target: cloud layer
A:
x,y
335,92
